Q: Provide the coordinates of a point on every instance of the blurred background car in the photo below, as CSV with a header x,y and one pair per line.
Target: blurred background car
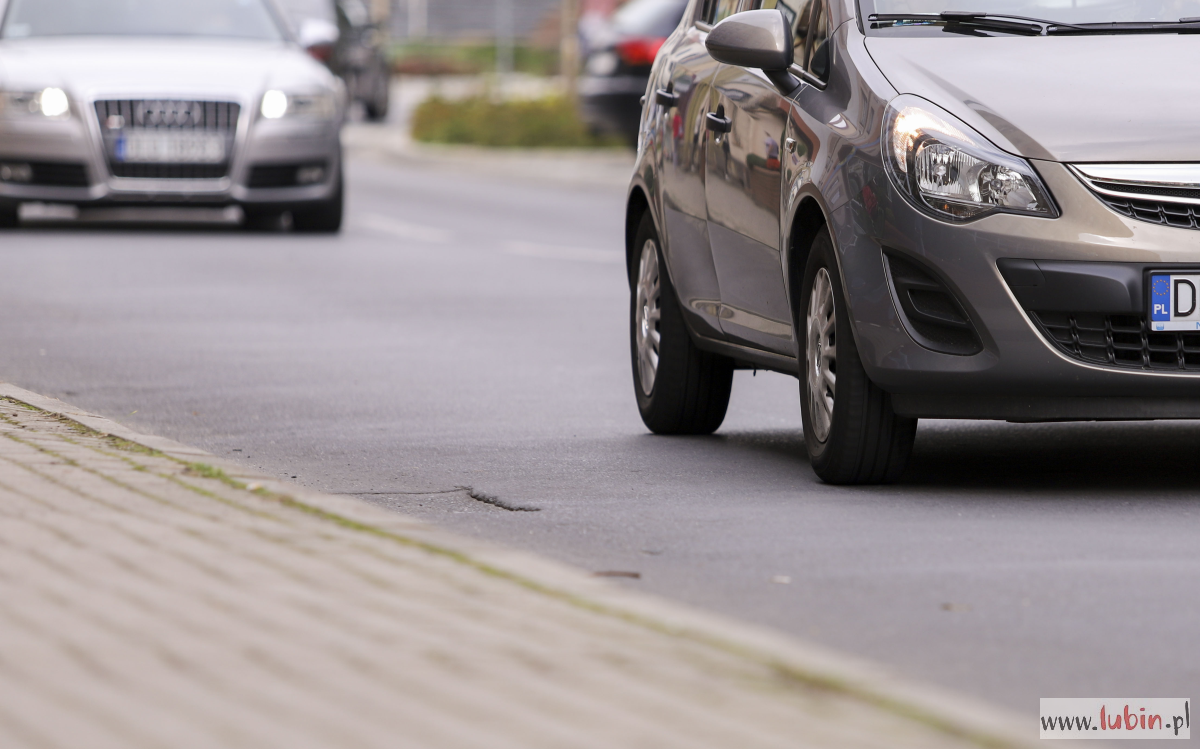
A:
x,y
343,35
162,103
618,55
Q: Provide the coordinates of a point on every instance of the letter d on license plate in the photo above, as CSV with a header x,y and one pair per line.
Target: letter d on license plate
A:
x,y
1175,301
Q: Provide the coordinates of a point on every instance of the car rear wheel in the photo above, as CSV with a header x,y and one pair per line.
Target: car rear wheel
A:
x,y
377,107
10,216
680,389
852,434
324,217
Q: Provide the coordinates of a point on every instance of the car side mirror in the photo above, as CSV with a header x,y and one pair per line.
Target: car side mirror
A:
x,y
318,38
756,39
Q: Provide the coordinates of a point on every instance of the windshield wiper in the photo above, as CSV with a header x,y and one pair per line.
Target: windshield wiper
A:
x,y
977,20
1182,26
1039,26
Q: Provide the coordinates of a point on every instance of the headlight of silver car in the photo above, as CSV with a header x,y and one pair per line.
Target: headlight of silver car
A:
x,y
49,102
952,172
278,104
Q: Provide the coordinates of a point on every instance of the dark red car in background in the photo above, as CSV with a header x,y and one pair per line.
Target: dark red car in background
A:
x,y
618,55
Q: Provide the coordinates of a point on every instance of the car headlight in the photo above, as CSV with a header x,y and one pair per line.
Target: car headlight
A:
x,y
278,104
49,102
953,172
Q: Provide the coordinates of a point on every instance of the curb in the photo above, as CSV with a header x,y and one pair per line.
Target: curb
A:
x,y
874,685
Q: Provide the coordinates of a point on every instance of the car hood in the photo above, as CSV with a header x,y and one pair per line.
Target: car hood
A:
x,y
97,67
1071,99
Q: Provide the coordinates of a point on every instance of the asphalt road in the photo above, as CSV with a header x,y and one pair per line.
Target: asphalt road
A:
x,y
467,330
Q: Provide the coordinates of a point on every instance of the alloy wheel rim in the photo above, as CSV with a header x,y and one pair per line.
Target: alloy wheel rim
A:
x,y
821,355
648,313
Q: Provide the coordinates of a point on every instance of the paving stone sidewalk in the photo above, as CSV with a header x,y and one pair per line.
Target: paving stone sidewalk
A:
x,y
152,600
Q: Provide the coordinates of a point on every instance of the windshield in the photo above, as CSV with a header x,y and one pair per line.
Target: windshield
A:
x,y
1061,11
649,17
298,11
239,19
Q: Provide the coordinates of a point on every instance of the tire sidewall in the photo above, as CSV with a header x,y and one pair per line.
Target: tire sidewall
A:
x,y
645,232
821,256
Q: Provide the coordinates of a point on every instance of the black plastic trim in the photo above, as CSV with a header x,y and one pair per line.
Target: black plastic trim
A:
x,y
1043,408
932,314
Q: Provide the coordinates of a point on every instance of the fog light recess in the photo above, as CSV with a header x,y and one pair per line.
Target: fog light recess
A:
x,y
16,173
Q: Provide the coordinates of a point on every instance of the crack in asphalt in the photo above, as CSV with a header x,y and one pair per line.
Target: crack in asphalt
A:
x,y
455,490
495,501
472,492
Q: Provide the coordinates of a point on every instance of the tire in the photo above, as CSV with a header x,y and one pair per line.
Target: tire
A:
x,y
10,215
852,434
258,219
680,389
324,217
377,108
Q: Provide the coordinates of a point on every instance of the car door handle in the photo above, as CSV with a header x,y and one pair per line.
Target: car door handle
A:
x,y
717,124
666,98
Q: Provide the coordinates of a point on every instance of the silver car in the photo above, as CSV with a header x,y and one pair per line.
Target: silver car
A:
x,y
922,209
161,102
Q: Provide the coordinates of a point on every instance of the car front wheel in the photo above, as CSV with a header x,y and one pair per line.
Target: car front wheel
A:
x,y
324,217
680,389
852,434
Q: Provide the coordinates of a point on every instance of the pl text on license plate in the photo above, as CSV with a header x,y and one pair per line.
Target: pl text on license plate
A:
x,y
1174,304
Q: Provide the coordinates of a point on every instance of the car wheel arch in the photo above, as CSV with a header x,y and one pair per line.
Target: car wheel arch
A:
x,y
809,216
806,221
637,206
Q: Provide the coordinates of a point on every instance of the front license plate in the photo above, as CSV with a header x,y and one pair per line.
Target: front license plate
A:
x,y
169,148
1174,304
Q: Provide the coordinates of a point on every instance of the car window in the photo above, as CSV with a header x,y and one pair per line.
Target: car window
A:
x,y
299,11
799,14
818,47
243,19
356,12
716,11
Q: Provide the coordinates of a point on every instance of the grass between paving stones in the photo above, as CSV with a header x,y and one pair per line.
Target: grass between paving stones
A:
x,y
785,671
536,123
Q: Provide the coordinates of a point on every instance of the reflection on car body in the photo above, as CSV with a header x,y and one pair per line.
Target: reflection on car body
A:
x,y
883,204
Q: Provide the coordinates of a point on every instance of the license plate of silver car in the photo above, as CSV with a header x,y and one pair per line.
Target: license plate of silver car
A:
x,y
170,148
1174,304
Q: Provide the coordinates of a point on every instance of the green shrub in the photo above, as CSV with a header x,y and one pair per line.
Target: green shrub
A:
x,y
539,123
469,58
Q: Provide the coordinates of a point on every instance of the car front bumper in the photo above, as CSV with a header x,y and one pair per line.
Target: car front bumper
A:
x,y
77,143
1020,374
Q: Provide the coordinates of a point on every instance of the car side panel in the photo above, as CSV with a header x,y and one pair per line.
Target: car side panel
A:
x,y
743,186
687,71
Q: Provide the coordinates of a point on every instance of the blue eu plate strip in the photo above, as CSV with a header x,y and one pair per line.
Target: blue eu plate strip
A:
x,y
1160,298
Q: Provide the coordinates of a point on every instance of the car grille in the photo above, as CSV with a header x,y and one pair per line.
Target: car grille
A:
x,y
179,116
1168,214
169,171
1124,341
1154,199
